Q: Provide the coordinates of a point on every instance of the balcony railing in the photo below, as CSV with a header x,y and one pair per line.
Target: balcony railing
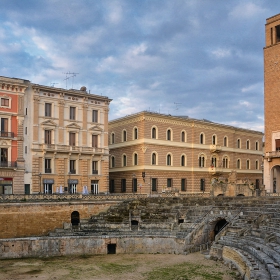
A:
x,y
8,164
215,148
94,171
66,148
48,170
72,171
5,134
274,154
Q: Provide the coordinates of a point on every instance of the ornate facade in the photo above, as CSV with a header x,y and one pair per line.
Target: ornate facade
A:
x,y
151,153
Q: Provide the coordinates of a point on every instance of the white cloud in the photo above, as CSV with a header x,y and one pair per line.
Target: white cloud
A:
x,y
221,53
246,10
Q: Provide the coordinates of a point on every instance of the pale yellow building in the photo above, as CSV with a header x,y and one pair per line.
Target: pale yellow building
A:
x,y
65,140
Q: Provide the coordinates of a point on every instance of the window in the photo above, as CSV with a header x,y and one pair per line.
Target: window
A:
x,y
154,158
277,144
72,138
238,143
225,162
5,102
257,164
257,145
201,138
4,125
169,183
202,185
123,185
95,141
183,185
72,113
213,161
134,185
225,141
135,159
201,161
183,136
48,109
48,168
113,138
154,184
183,160
154,133
168,135
95,167
95,116
124,160
124,135
238,164
214,139
112,161
48,136
4,157
168,159
247,144
72,165
112,186
135,133
247,164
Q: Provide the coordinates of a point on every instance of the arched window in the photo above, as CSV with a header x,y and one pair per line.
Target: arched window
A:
x,y
248,144
257,146
257,164
154,133
225,141
214,161
238,164
183,160
214,139
247,164
225,162
168,135
112,161
135,133
183,136
238,143
113,138
124,160
201,138
135,159
168,159
124,136
201,161
154,158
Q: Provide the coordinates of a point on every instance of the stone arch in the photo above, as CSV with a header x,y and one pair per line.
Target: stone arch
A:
x,y
274,179
216,225
75,218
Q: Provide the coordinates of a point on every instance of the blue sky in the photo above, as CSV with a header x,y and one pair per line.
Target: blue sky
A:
x,y
200,58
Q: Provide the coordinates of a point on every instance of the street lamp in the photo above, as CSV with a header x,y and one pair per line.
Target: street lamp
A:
x,y
40,176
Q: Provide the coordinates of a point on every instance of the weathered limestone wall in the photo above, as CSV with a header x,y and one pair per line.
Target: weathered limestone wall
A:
x,y
39,218
62,246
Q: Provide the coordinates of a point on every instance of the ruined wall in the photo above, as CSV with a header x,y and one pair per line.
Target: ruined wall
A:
x,y
39,218
54,246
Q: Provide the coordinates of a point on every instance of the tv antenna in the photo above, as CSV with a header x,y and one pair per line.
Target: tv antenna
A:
x,y
68,76
52,84
177,105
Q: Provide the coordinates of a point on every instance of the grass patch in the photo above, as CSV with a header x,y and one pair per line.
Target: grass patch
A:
x,y
184,271
117,268
33,271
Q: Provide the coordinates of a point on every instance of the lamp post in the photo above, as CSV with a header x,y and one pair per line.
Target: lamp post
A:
x,y
69,190
40,176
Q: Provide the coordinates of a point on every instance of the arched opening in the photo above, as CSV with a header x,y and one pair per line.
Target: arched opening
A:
x,y
180,221
219,226
241,194
111,248
275,179
75,218
134,225
221,194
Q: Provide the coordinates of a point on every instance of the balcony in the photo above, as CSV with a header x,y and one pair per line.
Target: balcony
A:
x,y
8,164
215,170
72,171
4,134
48,170
66,148
270,155
94,171
215,148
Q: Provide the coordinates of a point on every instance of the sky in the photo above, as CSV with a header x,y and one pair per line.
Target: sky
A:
x,y
196,58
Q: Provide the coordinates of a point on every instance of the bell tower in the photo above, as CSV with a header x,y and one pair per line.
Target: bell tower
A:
x,y
272,104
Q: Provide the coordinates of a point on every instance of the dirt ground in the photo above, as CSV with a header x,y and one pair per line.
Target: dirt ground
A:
x,y
116,267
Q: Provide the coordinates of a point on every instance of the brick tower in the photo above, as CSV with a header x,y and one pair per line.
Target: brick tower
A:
x,y
272,104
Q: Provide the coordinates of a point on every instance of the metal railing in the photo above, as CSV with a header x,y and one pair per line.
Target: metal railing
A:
x,y
6,134
8,164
